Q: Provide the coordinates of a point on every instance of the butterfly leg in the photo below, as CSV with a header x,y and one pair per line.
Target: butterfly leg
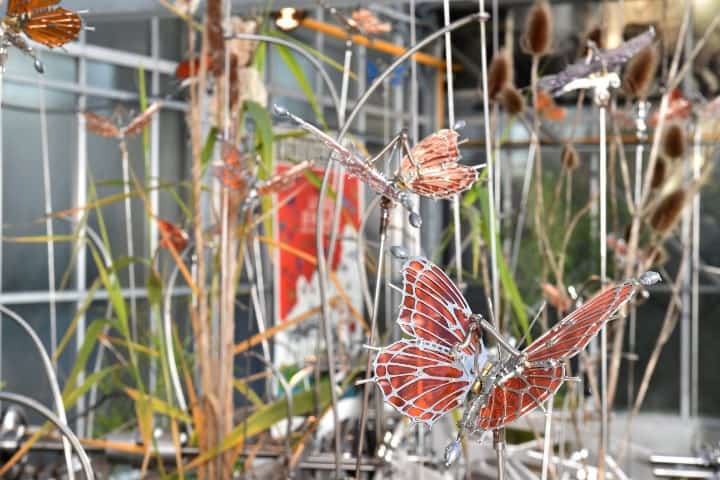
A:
x,y
390,146
405,143
490,329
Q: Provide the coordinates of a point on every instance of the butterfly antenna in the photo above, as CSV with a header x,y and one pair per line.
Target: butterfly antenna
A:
x,y
364,381
532,324
371,348
479,166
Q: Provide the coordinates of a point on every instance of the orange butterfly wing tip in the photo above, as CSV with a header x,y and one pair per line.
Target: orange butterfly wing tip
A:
x,y
100,125
230,154
54,28
543,100
18,7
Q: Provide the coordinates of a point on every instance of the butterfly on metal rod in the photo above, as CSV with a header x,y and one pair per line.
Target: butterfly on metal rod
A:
x,y
596,72
41,21
430,168
444,364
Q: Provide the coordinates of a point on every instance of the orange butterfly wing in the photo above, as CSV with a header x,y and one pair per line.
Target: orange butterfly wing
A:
x,y
18,7
53,28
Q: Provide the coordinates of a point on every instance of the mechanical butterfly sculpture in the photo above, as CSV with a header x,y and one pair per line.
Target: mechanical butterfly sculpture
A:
x,y
598,68
430,168
41,21
444,365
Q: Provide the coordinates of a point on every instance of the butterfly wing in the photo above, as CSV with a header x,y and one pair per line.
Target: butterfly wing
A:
x,y
100,125
53,28
18,7
420,380
618,56
573,333
141,121
519,395
436,172
432,308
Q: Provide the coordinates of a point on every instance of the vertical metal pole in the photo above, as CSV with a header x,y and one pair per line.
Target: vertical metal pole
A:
x,y
603,279
415,242
547,441
695,341
49,231
2,216
685,309
457,225
81,199
154,176
499,445
490,169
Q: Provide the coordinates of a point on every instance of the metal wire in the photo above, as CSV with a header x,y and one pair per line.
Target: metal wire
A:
x,y
68,435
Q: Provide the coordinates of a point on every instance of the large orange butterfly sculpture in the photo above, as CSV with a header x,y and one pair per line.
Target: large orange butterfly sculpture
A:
x,y
41,21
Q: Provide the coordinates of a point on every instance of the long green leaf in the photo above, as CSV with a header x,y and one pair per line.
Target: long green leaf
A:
x,y
264,137
71,396
297,71
91,338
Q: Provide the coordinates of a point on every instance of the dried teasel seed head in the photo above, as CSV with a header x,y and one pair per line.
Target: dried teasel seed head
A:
x,y
674,141
537,38
570,158
595,35
640,72
668,211
659,174
512,100
499,73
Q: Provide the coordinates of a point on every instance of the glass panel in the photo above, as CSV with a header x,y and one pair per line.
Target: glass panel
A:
x,y
127,35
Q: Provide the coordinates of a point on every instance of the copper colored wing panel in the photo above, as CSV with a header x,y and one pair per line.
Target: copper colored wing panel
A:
x,y
518,396
18,7
573,333
436,172
419,380
231,176
53,28
100,125
141,121
432,307
172,236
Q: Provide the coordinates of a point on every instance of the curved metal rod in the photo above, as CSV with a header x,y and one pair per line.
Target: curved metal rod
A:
x,y
167,332
319,236
361,252
61,425
297,49
288,397
50,371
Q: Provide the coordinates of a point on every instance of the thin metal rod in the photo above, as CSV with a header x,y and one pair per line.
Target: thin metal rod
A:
x,y
2,216
81,199
493,332
340,175
153,177
167,332
499,445
547,441
695,319
257,306
129,237
603,278
47,192
527,180
449,78
68,435
495,279
686,307
51,376
384,222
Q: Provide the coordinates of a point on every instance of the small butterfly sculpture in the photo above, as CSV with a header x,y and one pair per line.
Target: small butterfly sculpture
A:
x,y
234,175
444,364
598,68
369,23
41,21
105,127
430,168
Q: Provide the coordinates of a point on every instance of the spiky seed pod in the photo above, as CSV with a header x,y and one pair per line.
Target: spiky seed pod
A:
x,y
595,35
659,173
216,37
537,38
668,211
511,100
640,72
499,74
570,157
674,141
